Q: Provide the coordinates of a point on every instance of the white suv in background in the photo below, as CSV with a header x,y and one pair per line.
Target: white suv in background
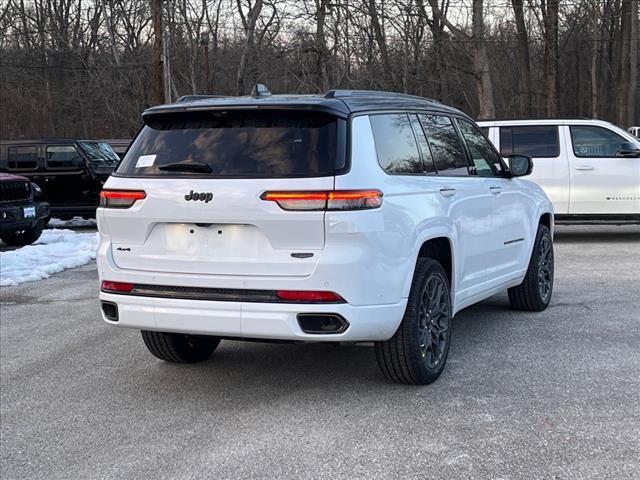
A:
x,y
345,217
590,169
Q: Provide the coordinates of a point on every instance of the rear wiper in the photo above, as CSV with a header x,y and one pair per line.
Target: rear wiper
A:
x,y
198,167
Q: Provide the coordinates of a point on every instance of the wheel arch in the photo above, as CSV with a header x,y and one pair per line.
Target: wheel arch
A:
x,y
440,246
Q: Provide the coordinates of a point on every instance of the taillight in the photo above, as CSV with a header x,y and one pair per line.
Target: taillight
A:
x,y
116,287
326,200
308,296
120,198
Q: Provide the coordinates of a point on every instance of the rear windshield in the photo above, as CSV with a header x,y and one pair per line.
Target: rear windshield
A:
x,y
236,144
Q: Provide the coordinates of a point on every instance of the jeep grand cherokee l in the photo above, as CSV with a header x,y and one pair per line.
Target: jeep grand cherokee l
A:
x,y
347,217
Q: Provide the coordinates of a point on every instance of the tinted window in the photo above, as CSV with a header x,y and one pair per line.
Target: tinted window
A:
x,y
595,142
22,158
425,151
486,162
63,156
445,145
395,144
535,141
262,144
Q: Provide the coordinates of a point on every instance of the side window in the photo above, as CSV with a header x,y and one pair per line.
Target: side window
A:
x,y
592,142
534,140
63,156
486,162
395,144
22,158
427,159
445,144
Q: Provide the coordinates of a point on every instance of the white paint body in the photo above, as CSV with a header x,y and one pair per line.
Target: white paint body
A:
x,y
368,257
582,185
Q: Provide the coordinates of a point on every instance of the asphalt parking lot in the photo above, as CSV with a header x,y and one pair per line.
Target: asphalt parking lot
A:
x,y
524,395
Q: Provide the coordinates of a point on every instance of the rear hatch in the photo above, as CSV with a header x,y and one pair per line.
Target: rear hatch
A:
x,y
203,175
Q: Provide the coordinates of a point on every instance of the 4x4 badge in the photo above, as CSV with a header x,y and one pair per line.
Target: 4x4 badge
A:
x,y
205,197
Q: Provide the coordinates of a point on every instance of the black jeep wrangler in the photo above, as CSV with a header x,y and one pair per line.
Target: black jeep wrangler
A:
x,y
69,172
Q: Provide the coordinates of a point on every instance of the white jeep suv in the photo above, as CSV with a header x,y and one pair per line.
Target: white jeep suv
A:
x,y
346,217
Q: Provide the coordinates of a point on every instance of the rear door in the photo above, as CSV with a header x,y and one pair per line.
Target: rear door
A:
x,y
468,203
601,181
204,175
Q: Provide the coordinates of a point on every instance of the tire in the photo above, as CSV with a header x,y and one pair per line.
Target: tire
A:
x,y
534,293
179,347
24,237
411,356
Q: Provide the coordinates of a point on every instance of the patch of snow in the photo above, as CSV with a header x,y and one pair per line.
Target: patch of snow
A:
x,y
55,251
74,222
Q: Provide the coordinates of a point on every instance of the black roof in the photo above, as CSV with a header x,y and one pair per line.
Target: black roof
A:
x,y
339,102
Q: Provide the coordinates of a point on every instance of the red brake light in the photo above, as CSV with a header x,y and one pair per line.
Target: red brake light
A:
x,y
116,287
120,198
326,200
309,296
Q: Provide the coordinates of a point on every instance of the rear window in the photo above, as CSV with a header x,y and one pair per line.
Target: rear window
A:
x,y
535,141
237,144
22,158
395,144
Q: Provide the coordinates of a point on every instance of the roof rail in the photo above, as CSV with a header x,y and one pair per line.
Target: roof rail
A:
x,y
517,119
337,93
190,98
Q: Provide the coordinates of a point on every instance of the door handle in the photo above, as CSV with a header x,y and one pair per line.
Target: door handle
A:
x,y
447,192
495,190
583,167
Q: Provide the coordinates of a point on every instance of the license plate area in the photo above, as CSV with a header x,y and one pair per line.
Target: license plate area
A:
x,y
29,212
209,241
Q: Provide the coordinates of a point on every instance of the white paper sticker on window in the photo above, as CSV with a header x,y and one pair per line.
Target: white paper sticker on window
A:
x,y
145,161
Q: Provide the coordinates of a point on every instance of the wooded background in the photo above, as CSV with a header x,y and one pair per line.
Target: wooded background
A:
x,y
87,68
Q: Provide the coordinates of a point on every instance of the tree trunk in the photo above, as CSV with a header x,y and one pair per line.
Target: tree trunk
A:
x,y
633,67
249,24
481,66
381,40
550,64
628,64
594,65
157,96
322,73
524,68
110,29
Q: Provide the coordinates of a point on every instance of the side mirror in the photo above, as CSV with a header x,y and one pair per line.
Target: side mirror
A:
x,y
520,165
628,149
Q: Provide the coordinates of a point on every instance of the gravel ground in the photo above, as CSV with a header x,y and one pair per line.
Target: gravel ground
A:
x,y
548,395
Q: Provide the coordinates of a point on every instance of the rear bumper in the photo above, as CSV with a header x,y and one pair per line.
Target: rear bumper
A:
x,y
88,211
275,321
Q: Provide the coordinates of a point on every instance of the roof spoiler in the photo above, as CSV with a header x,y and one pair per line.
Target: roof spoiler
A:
x,y
191,98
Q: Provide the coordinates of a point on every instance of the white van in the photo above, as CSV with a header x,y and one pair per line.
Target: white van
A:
x,y
590,169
